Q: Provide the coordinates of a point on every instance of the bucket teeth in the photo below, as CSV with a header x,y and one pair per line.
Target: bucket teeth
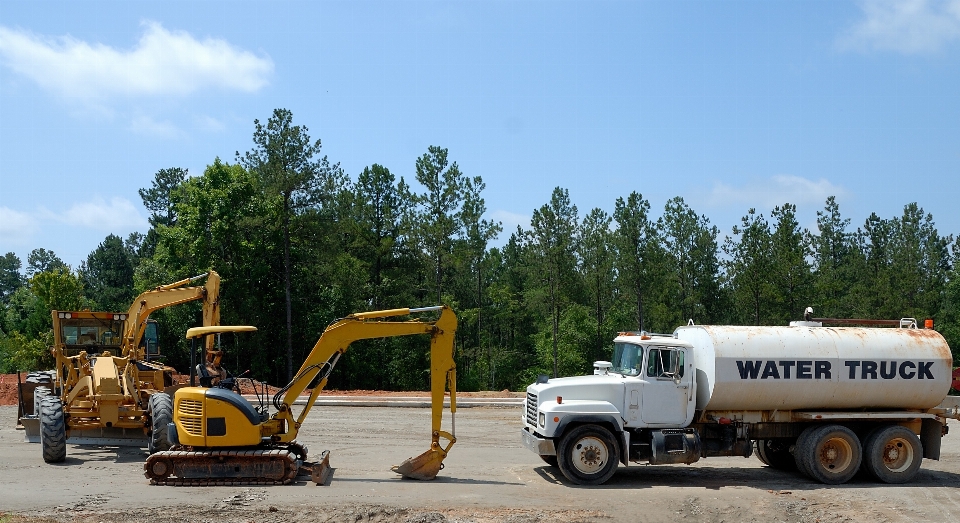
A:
x,y
426,466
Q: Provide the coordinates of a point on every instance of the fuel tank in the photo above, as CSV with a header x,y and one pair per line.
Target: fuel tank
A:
x,y
804,367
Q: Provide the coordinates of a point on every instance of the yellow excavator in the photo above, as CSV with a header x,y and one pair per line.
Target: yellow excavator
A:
x,y
219,438
109,388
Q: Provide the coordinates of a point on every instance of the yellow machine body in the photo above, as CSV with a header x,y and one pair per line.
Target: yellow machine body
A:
x,y
213,417
219,423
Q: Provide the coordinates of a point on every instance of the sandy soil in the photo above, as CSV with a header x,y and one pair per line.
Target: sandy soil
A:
x,y
488,478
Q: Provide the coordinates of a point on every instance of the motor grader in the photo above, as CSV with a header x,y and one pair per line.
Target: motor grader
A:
x,y
219,438
110,387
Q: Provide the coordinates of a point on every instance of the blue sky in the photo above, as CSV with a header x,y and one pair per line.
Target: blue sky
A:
x,y
730,105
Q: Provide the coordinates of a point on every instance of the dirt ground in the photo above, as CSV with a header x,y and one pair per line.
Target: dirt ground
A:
x,y
488,478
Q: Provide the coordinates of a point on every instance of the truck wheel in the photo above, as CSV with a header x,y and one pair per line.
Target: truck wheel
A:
x,y
160,408
830,454
758,451
550,460
776,454
53,430
892,454
588,455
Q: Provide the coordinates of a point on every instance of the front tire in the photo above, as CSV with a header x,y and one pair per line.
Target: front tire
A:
x,y
160,407
588,455
892,454
829,454
53,430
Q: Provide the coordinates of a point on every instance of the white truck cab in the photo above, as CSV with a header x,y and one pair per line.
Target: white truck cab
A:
x,y
649,384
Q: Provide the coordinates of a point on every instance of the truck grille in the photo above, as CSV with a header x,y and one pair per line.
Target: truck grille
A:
x,y
532,409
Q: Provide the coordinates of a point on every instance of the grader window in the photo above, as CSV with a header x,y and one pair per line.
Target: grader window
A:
x,y
91,331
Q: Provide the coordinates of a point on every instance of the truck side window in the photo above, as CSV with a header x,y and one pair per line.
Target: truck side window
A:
x,y
664,363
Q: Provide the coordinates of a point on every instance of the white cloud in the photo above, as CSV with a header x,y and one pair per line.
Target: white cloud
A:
x,y
162,63
777,190
16,228
904,26
116,216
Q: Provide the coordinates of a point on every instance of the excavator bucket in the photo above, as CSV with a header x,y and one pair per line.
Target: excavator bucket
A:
x,y
426,466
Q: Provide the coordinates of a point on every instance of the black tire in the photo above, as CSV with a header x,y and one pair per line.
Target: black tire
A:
x,y
39,394
892,454
53,430
829,454
776,454
799,447
588,455
160,408
550,460
758,451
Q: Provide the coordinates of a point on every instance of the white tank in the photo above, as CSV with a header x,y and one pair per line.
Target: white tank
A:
x,y
811,368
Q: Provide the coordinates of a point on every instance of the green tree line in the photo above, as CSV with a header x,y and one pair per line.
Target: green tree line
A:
x,y
299,243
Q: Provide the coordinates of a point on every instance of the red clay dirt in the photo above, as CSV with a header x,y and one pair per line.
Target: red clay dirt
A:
x,y
8,390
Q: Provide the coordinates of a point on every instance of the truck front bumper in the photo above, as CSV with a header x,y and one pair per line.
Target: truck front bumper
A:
x,y
538,445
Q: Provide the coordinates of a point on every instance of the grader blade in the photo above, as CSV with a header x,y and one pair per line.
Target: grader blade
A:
x,y
426,466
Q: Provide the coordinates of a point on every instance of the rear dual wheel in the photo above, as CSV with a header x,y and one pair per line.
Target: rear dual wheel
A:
x,y
829,454
892,454
775,453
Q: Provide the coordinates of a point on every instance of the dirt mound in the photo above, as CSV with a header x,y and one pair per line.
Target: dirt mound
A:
x,y
8,389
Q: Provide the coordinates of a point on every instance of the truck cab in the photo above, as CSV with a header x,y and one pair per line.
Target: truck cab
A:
x,y
634,407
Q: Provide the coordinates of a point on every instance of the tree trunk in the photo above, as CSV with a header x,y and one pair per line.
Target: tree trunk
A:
x,y
286,285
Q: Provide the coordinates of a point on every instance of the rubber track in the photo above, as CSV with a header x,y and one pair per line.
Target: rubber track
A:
x,y
184,457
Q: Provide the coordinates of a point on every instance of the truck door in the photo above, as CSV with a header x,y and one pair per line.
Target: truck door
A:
x,y
666,387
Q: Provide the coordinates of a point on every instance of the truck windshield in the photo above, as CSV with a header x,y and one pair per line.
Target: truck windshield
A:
x,y
627,359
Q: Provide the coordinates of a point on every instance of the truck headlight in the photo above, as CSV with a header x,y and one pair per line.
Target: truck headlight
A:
x,y
542,419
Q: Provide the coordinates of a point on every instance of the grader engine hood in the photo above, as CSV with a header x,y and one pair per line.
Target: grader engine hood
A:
x,y
598,398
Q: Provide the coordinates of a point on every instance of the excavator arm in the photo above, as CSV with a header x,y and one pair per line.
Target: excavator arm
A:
x,y
167,296
366,325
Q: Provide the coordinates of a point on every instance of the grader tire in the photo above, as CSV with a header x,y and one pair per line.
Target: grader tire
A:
x,y
53,430
39,394
160,408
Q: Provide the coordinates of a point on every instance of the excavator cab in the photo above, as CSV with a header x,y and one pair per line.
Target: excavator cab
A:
x,y
207,414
